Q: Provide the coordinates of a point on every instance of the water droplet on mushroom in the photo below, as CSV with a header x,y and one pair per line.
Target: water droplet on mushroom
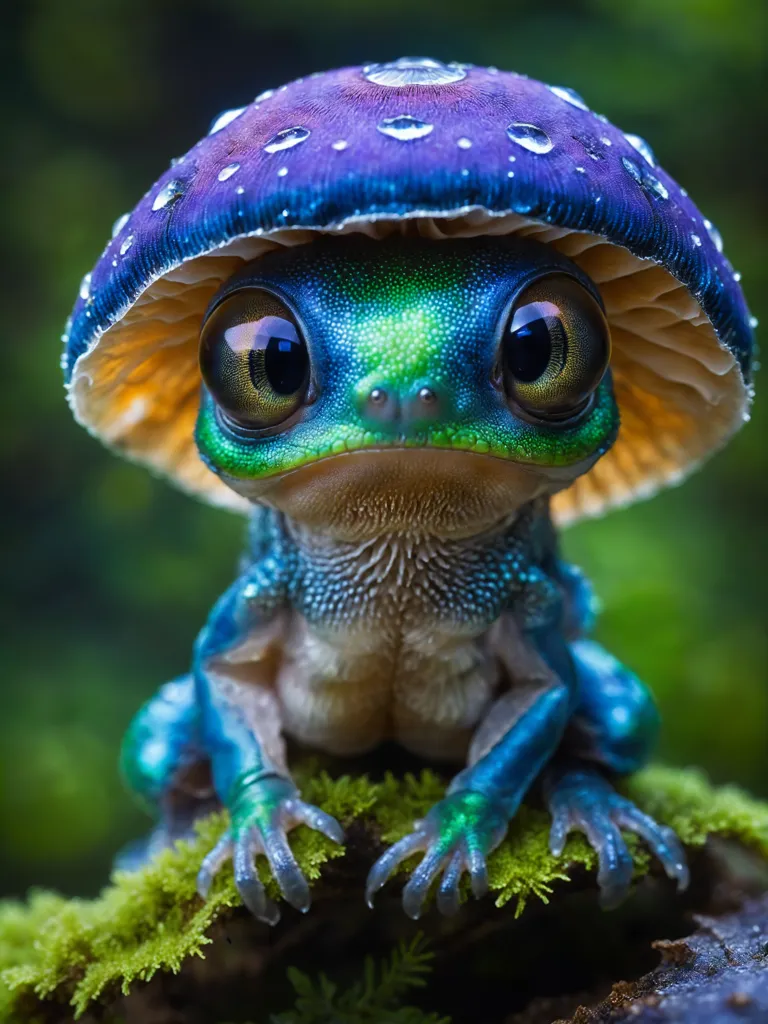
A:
x,y
642,148
404,127
581,170
127,243
239,190
647,181
282,172
714,234
737,275
569,95
605,140
534,139
85,287
339,145
170,193
753,322
228,171
225,118
120,223
696,239
512,158
264,95
413,71
465,172
510,174
287,139
464,142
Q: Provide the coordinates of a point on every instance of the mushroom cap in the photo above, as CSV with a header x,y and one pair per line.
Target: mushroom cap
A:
x,y
443,150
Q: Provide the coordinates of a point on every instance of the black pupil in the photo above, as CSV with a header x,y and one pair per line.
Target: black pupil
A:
x,y
286,359
528,350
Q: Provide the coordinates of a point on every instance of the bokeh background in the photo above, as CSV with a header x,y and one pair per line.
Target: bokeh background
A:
x,y
107,573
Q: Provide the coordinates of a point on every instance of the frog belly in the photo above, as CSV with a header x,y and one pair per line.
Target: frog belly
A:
x,y
346,693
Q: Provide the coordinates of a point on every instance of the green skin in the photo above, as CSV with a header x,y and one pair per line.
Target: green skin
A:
x,y
396,318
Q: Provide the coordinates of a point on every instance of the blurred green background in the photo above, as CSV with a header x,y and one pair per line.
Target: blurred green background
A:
x,y
108,573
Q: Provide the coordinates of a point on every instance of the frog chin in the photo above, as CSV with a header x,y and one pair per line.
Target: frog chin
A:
x,y
404,490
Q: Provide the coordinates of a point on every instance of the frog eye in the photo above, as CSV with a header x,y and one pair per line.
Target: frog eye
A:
x,y
555,348
253,359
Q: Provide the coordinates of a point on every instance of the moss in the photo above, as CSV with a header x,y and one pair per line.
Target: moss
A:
x,y
153,921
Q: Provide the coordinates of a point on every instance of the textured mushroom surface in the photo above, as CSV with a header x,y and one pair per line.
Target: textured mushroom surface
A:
x,y
441,150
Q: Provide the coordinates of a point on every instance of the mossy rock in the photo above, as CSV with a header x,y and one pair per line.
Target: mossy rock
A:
x,y
81,953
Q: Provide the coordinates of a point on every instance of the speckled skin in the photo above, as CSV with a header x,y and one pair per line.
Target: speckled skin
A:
x,y
403,582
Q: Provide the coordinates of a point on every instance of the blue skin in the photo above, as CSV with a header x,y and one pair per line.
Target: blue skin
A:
x,y
592,719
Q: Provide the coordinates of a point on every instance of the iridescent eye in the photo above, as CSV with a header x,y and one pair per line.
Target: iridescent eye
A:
x,y
253,359
555,348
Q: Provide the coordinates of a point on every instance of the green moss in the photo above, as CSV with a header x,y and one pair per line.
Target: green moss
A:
x,y
152,920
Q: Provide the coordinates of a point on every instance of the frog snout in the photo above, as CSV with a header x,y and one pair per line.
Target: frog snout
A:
x,y
384,404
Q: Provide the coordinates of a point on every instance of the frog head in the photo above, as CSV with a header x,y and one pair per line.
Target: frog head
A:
x,y
419,290
362,385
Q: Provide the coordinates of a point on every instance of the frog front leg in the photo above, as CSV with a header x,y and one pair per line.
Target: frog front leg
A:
x,y
239,727
519,735
612,732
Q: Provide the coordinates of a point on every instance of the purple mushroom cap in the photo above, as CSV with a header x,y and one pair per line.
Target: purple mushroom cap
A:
x,y
460,150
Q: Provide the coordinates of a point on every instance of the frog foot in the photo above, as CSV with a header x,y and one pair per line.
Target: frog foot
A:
x,y
262,812
579,798
455,836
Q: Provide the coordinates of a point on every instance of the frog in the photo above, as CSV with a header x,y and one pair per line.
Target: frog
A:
x,y
409,319
400,413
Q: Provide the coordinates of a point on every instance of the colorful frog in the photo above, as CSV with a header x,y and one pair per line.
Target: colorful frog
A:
x,y
408,317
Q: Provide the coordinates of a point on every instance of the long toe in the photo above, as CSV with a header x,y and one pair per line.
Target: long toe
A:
x,y
388,863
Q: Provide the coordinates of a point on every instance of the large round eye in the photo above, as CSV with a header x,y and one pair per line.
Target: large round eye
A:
x,y
253,359
555,348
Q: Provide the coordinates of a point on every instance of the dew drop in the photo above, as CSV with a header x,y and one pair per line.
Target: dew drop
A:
x,y
647,181
714,234
753,322
225,118
534,139
264,95
239,190
85,287
464,142
605,140
282,172
339,145
228,171
406,71
642,148
287,139
170,193
120,223
127,243
569,95
737,276
696,239
404,127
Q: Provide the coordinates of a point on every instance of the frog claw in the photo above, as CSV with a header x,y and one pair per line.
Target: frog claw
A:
x,y
582,800
389,862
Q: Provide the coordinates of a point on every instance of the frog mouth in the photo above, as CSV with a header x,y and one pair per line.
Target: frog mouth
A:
x,y
399,488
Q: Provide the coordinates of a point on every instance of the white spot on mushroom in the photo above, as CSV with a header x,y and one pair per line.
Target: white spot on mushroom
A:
x,y
512,158
225,118
264,95
85,287
464,142
339,145
753,322
404,128
465,172
714,234
287,139
239,190
282,172
168,194
228,171
120,223
413,71
285,213
580,169
127,243
534,139
605,140
737,275
569,95
696,239
510,174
